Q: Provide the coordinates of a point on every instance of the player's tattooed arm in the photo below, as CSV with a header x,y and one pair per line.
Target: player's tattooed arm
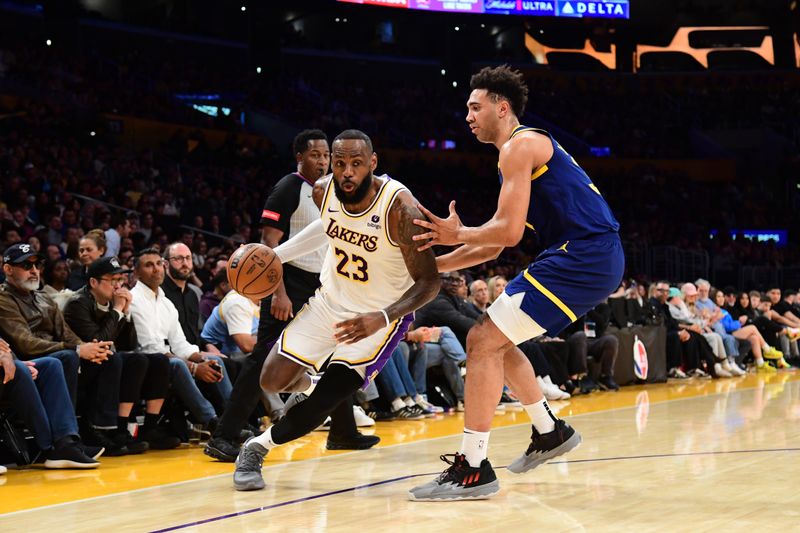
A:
x,y
421,266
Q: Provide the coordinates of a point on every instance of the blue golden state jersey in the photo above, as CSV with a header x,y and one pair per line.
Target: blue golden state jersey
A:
x,y
565,204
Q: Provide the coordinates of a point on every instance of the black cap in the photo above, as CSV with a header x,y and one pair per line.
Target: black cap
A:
x,y
106,265
19,253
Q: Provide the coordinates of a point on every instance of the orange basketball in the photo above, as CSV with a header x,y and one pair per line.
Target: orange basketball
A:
x,y
254,271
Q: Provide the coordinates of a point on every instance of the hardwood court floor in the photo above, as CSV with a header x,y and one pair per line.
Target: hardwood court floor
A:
x,y
685,456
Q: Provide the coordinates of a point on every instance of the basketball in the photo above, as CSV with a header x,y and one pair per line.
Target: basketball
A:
x,y
254,271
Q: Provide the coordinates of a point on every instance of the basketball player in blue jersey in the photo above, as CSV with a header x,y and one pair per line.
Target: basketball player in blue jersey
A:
x,y
542,189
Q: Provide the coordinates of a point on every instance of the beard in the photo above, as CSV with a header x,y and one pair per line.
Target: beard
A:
x,y
29,284
358,194
174,273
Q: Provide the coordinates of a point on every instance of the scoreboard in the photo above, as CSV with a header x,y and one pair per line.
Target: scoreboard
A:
x,y
619,9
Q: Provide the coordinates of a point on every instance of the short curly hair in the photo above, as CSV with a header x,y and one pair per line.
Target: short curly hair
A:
x,y
300,143
503,82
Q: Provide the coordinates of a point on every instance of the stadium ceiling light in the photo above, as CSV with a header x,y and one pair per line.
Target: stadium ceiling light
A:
x,y
455,84
258,70
48,42
344,19
457,28
92,133
337,19
244,8
444,72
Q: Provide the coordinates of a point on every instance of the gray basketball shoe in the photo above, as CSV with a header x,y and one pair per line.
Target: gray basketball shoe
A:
x,y
544,447
247,475
459,482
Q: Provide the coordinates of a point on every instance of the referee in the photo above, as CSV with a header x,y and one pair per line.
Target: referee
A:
x,y
292,204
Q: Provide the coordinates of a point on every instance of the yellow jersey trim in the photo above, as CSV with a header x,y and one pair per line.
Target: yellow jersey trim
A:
x,y
283,350
542,169
371,206
325,198
521,129
550,296
394,325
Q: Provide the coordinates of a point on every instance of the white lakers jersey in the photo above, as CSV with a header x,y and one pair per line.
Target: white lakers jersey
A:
x,y
364,269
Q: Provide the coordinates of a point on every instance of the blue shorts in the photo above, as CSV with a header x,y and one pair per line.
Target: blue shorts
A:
x,y
562,284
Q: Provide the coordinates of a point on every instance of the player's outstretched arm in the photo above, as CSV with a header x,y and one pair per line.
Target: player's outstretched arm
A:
x,y
507,225
310,239
421,266
467,256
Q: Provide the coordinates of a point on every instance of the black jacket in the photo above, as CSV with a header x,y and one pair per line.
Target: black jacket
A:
x,y
188,305
90,322
450,311
663,311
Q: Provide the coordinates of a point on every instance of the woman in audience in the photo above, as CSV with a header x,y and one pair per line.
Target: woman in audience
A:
x,y
496,284
55,276
91,247
680,312
749,332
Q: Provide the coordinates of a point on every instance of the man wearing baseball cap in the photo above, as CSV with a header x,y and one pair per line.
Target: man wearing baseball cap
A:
x,y
31,321
32,324
101,310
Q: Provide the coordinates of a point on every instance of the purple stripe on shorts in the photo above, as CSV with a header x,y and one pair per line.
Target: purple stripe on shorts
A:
x,y
372,369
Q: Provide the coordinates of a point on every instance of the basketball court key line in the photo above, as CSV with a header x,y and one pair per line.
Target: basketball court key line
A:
x,y
403,478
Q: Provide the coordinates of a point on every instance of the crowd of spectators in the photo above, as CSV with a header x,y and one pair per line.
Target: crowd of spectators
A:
x,y
114,255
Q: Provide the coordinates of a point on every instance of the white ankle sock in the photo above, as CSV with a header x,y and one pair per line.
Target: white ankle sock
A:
x,y
265,439
542,418
547,380
398,404
474,446
408,401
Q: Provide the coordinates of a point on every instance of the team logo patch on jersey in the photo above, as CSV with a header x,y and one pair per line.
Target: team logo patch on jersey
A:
x,y
368,242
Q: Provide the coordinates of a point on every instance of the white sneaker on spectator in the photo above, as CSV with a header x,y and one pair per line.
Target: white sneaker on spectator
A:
x,y
698,373
677,373
460,406
3,469
362,420
425,404
551,392
721,372
735,369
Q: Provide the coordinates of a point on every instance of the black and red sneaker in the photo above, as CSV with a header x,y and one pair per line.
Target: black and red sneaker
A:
x,y
459,482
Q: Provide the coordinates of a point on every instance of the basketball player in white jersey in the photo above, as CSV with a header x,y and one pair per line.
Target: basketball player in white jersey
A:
x,y
373,279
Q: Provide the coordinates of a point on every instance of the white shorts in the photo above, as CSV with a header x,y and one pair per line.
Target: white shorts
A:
x,y
309,339
516,324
